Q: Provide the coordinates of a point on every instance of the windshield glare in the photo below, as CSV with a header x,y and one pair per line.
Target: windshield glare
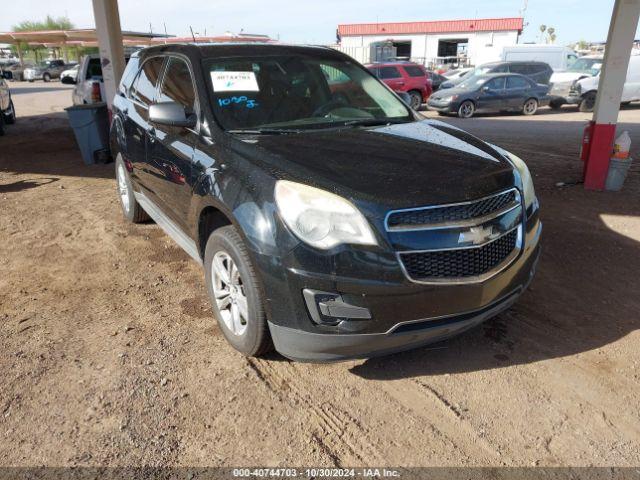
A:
x,y
472,82
586,65
298,92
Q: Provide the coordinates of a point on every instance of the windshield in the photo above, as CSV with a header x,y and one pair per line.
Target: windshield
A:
x,y
267,92
591,66
472,82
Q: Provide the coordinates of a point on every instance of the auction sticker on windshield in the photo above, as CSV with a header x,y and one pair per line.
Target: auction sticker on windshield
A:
x,y
234,82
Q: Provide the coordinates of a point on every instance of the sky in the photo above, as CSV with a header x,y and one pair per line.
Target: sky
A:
x,y
315,21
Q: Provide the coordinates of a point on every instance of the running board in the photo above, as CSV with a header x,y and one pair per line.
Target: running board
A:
x,y
169,227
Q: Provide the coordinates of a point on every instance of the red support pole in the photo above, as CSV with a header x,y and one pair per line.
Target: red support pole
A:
x,y
596,166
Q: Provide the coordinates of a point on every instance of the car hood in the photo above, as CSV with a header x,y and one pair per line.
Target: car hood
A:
x,y
564,77
395,166
450,92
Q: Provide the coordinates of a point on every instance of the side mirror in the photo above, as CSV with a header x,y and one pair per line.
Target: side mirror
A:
x,y
485,89
172,114
405,97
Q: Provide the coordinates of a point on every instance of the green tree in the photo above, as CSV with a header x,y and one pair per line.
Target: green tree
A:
x,y
49,23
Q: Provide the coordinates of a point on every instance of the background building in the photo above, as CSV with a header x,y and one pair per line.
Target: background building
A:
x,y
430,43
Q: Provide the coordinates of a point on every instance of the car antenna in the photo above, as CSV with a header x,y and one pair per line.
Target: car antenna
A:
x,y
192,35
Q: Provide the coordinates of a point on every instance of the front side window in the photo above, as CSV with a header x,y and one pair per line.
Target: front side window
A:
x,y
496,84
299,91
144,89
177,85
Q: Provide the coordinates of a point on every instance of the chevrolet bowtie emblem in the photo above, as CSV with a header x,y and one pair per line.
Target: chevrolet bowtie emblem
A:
x,y
477,235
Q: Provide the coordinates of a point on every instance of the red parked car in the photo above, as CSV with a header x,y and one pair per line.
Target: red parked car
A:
x,y
405,77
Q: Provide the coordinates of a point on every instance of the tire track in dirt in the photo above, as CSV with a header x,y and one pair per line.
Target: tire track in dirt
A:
x,y
444,418
338,434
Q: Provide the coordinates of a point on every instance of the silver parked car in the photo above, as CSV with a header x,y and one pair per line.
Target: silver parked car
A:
x,y
46,70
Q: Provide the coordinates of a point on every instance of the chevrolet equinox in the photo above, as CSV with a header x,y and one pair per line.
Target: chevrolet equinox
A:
x,y
331,220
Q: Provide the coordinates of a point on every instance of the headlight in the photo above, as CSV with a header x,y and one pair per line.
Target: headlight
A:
x,y
449,99
527,182
321,219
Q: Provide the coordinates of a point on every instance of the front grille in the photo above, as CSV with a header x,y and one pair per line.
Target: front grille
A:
x,y
464,263
453,213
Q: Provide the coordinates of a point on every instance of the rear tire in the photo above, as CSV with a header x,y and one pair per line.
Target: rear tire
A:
x,y
236,298
416,99
46,77
1,125
556,104
466,109
131,209
530,107
588,102
10,115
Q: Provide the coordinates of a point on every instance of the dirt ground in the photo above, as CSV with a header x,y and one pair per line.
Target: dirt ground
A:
x,y
109,354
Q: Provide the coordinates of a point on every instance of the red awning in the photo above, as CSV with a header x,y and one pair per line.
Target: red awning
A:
x,y
445,26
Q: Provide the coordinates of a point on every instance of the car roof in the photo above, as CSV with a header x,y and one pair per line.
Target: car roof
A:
x,y
397,63
514,62
204,50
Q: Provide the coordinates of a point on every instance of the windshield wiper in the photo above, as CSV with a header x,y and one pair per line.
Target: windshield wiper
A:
x,y
370,122
263,131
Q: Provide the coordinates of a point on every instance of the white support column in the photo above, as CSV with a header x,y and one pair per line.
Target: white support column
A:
x,y
109,34
622,30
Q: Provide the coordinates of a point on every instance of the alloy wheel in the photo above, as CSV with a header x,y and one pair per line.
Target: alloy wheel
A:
x,y
229,293
530,107
466,110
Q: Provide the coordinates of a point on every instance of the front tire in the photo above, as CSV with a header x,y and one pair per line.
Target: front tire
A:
x,y
466,109
131,209
530,107
236,298
588,102
556,104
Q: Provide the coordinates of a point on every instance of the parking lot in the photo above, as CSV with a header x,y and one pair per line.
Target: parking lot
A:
x,y
109,353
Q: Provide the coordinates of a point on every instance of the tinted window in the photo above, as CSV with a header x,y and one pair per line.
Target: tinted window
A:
x,y
414,71
177,85
500,69
517,82
145,85
389,72
94,68
496,84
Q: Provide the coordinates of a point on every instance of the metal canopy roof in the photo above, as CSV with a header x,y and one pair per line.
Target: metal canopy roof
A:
x,y
77,37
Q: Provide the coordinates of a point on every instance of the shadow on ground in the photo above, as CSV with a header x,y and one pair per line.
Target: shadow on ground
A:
x,y
46,145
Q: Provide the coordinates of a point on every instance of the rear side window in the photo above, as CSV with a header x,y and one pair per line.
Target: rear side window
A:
x,y
389,72
517,82
94,68
177,84
414,71
144,89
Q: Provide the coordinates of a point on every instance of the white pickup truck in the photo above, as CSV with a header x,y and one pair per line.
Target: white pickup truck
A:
x,y
89,85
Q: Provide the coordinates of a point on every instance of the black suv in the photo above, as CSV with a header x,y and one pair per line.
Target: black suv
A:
x,y
539,72
331,220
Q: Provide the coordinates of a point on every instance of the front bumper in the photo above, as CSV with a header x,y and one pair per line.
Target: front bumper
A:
x,y
442,107
315,347
404,314
32,75
574,98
